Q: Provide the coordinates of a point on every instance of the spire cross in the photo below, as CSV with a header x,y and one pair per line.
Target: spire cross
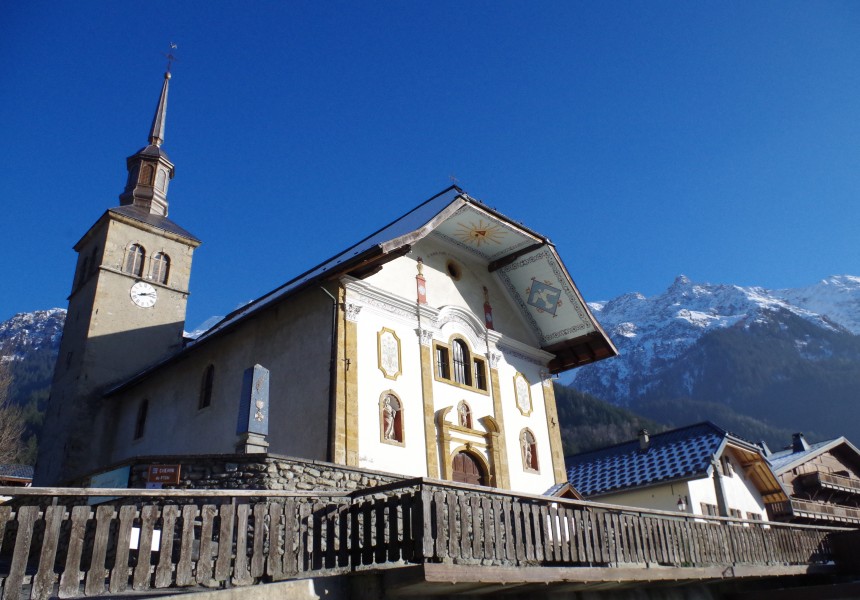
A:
x,y
169,56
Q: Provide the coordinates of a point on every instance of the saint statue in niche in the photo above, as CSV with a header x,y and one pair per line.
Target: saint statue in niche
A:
x,y
465,415
528,445
390,408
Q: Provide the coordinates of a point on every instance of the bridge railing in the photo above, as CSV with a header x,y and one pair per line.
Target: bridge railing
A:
x,y
54,544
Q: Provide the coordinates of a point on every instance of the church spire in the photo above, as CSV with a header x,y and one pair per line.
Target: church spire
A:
x,y
156,134
149,170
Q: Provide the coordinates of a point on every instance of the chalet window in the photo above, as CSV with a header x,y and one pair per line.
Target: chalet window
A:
x,y
528,444
456,364
391,419
754,516
140,421
134,260
726,463
206,387
710,510
160,268
737,514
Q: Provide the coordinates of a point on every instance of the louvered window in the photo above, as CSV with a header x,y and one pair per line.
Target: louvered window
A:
x,y
134,260
160,267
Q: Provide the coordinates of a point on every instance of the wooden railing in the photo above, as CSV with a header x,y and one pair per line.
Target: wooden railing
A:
x,y
493,527
146,539
848,485
810,509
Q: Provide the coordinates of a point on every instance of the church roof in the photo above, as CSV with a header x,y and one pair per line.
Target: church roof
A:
x,y
525,262
144,216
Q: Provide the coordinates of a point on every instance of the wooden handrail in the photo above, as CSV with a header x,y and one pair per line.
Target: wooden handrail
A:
x,y
152,539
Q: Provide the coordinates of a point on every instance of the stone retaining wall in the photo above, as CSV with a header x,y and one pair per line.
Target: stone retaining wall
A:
x,y
259,472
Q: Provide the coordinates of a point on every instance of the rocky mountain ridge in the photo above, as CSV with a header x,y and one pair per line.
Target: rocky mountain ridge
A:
x,y
728,352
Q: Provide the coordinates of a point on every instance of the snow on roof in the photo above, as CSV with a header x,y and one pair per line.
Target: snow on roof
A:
x,y
781,460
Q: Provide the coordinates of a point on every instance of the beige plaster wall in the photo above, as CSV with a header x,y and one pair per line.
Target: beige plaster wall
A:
x,y
292,340
398,277
458,306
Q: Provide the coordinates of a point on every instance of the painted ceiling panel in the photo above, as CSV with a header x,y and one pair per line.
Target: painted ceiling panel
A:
x,y
480,233
546,297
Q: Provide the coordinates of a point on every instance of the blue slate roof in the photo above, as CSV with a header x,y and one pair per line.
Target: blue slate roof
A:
x,y
782,459
16,472
683,453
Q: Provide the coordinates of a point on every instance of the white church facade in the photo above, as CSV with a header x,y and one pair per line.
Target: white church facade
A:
x,y
426,349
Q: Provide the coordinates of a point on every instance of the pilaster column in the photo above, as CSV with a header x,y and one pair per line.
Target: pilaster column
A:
x,y
553,429
503,479
425,341
719,488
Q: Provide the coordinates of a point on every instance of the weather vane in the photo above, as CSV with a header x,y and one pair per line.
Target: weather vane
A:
x,y
453,179
169,56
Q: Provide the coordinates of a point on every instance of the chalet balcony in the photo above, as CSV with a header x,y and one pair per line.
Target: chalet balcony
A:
x,y
418,533
826,481
822,511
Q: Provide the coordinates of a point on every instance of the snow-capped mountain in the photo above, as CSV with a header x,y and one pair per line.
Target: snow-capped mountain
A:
x,y
836,298
730,346
28,333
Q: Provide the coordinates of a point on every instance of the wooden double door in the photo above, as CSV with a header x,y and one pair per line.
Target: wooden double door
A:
x,y
468,469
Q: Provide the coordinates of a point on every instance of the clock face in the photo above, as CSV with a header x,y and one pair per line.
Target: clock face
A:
x,y
143,294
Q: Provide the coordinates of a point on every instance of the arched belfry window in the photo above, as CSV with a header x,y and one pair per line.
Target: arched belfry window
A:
x,y
206,387
528,445
134,260
391,419
140,421
146,174
160,268
83,272
94,260
464,414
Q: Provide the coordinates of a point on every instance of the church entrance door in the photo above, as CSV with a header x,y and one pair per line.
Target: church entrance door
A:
x,y
467,469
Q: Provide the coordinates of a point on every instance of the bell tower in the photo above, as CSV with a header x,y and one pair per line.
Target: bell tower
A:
x,y
149,170
126,310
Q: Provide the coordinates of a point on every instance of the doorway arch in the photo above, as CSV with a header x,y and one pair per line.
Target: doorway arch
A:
x,y
468,468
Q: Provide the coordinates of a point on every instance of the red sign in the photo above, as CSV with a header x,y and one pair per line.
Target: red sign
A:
x,y
163,474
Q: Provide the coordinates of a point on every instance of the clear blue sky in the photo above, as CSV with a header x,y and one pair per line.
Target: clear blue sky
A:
x,y
646,139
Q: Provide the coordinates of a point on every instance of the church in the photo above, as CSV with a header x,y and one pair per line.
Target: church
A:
x,y
426,349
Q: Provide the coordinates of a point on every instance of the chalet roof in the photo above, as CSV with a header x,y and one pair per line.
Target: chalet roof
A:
x,y
680,454
17,472
525,262
785,460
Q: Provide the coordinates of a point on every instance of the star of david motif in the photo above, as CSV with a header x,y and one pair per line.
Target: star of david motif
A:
x,y
544,297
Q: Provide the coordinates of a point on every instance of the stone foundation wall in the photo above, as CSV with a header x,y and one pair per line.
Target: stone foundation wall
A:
x,y
259,472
